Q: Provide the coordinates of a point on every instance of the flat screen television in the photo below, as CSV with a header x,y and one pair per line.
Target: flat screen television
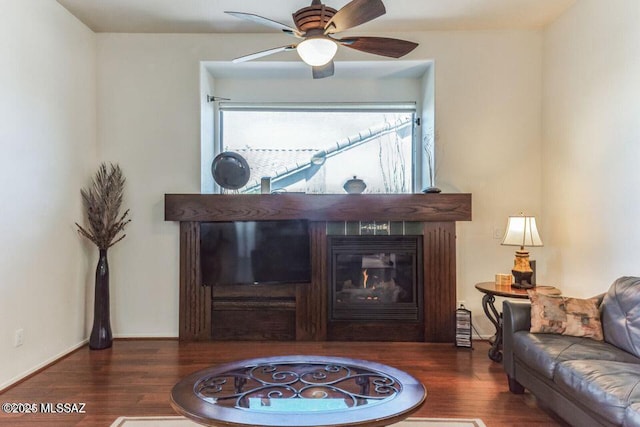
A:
x,y
253,252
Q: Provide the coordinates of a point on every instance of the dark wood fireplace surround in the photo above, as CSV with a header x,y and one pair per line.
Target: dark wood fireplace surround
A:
x,y
299,311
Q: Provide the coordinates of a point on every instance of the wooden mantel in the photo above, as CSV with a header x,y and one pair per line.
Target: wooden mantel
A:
x,y
437,212
318,207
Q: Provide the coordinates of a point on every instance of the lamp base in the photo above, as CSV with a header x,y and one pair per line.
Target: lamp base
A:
x,y
522,279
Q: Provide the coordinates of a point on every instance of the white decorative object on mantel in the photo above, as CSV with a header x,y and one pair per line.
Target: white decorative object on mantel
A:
x,y
354,185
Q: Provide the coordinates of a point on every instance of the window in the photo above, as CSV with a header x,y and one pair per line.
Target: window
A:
x,y
317,148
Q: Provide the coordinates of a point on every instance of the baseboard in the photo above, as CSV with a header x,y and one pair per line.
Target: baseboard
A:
x,y
166,336
145,338
483,337
44,365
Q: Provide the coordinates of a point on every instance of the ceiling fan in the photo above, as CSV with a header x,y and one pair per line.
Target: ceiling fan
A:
x,y
316,26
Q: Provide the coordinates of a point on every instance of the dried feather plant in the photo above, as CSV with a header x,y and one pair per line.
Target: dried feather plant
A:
x,y
102,201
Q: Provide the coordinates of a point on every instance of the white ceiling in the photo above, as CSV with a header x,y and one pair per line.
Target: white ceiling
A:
x,y
207,16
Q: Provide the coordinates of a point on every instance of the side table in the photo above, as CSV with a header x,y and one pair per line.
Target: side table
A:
x,y
491,291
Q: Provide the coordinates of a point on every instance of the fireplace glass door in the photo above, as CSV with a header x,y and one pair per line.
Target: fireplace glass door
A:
x,y
375,277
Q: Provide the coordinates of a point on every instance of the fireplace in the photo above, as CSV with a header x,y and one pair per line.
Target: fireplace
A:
x,y
375,278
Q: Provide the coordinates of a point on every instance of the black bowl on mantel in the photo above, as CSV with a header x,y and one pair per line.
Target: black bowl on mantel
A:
x,y
429,190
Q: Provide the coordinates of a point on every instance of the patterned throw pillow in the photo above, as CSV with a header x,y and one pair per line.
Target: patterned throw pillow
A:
x,y
556,314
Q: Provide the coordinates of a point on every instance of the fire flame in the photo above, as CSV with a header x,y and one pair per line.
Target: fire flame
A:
x,y
366,277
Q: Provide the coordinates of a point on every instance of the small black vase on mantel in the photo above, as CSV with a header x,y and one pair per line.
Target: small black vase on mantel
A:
x,y
102,201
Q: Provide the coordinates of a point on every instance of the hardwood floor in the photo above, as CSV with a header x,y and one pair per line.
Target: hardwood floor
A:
x,y
134,378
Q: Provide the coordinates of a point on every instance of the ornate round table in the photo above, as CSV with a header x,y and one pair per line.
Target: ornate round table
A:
x,y
298,391
491,291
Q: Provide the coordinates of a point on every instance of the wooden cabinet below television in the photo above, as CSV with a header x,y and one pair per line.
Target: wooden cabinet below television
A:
x,y
253,312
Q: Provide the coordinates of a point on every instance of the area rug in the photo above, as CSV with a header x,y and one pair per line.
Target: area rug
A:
x,y
183,422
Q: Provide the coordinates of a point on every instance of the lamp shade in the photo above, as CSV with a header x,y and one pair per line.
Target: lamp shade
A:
x,y
522,231
317,51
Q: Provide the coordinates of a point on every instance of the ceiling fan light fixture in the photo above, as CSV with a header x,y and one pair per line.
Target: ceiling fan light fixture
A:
x,y
317,51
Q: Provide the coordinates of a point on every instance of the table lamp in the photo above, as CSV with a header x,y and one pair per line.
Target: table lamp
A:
x,y
522,231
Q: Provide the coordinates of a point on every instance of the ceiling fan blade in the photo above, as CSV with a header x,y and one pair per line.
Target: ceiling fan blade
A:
x,y
355,13
265,21
323,71
394,48
262,53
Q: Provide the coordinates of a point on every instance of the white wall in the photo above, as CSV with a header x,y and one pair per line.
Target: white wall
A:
x,y
47,135
488,120
488,132
207,129
591,148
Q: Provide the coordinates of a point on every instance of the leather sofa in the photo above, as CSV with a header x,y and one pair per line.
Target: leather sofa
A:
x,y
584,381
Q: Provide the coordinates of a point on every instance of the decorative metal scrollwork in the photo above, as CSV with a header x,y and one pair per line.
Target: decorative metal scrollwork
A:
x,y
291,387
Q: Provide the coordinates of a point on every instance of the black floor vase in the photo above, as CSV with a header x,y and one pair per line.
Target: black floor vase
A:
x,y
101,333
